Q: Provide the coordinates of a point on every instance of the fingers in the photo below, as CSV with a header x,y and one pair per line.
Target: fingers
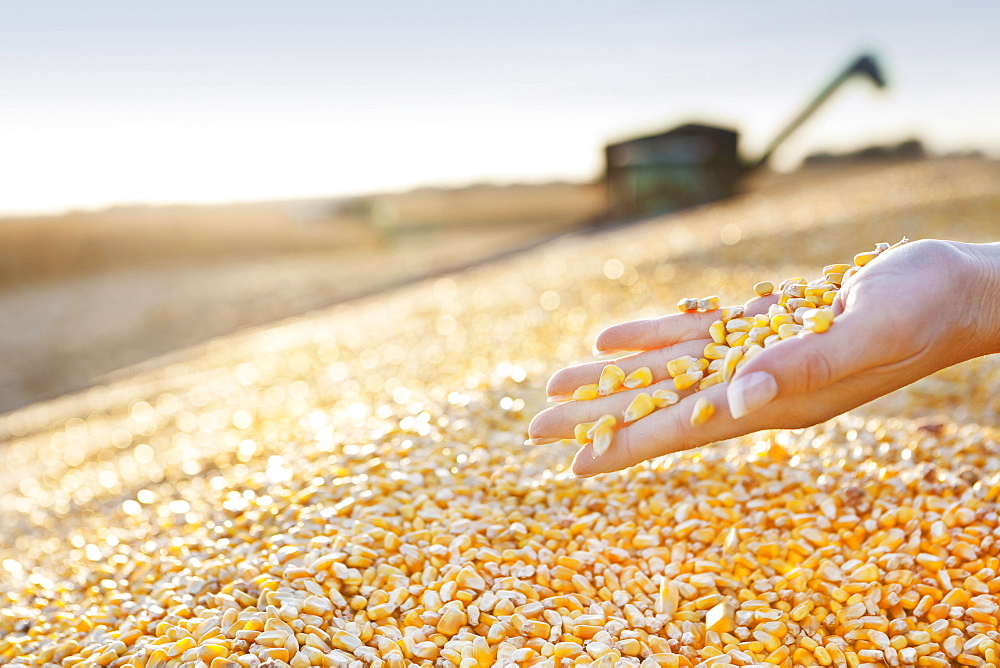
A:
x,y
663,432
806,364
655,332
759,304
563,383
670,430
667,330
559,421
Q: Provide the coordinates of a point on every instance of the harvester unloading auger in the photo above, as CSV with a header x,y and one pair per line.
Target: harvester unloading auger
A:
x,y
693,164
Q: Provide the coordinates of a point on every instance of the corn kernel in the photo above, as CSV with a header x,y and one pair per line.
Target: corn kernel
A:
x,y
710,380
686,380
663,398
700,364
586,392
737,339
709,303
687,305
714,351
861,259
732,358
717,330
730,312
602,433
611,380
641,377
789,330
817,320
641,406
703,410
679,365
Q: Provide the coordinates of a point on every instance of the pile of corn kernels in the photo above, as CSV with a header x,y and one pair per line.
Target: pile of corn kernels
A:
x,y
351,489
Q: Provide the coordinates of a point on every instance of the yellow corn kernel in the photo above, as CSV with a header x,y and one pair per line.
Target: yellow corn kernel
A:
x,y
714,351
837,279
669,597
861,259
699,364
737,339
710,380
732,358
788,331
703,410
586,392
602,432
828,297
580,432
730,312
714,365
641,406
687,305
452,619
717,330
739,325
782,319
799,314
758,334
679,365
721,618
612,378
641,377
774,338
776,309
817,320
664,398
793,291
686,380
709,303
764,288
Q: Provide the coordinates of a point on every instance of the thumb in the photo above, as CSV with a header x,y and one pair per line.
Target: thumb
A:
x,y
805,364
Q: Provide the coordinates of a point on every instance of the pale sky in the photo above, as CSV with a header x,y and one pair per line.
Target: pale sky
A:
x,y
197,101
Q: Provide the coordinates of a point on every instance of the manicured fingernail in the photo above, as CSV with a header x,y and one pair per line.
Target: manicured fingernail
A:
x,y
556,398
541,441
750,392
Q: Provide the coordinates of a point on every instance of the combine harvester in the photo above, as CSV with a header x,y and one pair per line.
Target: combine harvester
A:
x,y
694,164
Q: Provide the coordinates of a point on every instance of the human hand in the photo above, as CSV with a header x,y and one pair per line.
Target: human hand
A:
x,y
915,309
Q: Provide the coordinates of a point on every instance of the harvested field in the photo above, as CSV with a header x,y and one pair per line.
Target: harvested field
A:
x,y
85,295
351,488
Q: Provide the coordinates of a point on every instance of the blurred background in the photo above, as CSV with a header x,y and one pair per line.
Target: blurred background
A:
x,y
171,172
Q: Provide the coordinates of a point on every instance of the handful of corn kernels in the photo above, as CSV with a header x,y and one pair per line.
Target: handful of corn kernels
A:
x,y
802,307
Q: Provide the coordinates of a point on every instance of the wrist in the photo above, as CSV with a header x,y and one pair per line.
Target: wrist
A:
x,y
981,296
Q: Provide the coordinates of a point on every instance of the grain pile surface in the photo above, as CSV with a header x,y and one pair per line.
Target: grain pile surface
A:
x,y
351,489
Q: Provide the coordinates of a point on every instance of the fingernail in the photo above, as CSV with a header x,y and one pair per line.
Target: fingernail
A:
x,y
557,398
541,441
750,392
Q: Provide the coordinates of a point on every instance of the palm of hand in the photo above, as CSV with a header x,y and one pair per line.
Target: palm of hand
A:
x,y
897,320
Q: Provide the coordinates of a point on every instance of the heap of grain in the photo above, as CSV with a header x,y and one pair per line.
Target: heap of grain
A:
x,y
352,489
